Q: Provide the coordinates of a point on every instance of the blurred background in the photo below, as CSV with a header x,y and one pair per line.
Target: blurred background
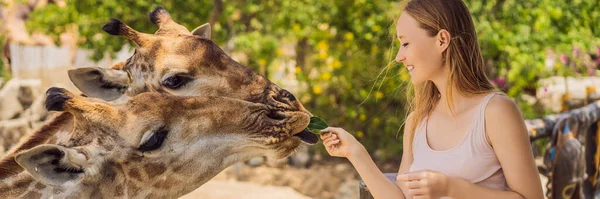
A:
x,y
335,56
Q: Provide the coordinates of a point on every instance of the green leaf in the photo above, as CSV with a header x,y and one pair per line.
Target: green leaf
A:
x,y
316,124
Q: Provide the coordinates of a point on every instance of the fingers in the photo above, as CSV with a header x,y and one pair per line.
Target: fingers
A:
x,y
409,176
417,192
333,130
329,129
328,136
415,175
415,184
330,142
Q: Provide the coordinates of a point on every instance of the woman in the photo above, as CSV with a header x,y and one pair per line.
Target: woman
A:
x,y
461,139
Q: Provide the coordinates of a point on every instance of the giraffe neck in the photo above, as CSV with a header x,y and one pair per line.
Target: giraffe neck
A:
x,y
61,125
165,178
24,185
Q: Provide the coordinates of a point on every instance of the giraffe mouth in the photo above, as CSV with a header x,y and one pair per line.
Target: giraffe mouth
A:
x,y
307,137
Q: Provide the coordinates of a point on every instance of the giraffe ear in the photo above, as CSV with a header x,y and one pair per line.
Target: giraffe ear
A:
x,y
52,164
203,31
104,83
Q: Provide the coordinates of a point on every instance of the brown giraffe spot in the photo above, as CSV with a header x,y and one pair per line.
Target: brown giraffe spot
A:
x,y
118,191
20,186
109,147
39,185
97,194
32,194
135,174
153,195
179,168
154,169
167,183
132,190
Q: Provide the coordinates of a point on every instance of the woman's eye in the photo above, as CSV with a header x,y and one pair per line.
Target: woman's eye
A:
x,y
404,44
176,81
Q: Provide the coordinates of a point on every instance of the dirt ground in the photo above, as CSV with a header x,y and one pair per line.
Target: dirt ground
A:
x,y
331,179
327,181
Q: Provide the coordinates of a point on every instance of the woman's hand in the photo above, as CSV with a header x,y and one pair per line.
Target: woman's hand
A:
x,y
340,143
426,184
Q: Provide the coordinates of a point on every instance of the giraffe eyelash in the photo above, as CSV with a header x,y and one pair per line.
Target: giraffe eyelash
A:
x,y
154,140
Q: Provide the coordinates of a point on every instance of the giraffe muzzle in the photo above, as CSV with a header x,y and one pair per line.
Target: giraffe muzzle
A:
x,y
56,99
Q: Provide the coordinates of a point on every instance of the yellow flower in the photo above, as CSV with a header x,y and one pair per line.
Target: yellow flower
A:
x,y
336,64
376,28
360,134
362,117
322,45
262,62
378,95
305,99
349,36
298,69
317,90
376,121
325,76
322,55
296,27
279,51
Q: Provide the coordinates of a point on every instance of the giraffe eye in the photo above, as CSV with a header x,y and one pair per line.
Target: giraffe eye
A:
x,y
155,141
176,81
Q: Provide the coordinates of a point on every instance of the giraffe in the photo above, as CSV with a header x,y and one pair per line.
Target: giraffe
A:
x,y
155,145
172,60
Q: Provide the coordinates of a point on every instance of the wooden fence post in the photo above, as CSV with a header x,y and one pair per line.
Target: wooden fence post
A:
x,y
364,191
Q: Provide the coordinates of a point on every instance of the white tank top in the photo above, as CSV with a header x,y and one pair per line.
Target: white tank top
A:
x,y
473,159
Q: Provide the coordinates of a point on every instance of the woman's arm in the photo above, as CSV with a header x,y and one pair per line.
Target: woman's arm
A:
x,y
506,130
378,184
340,143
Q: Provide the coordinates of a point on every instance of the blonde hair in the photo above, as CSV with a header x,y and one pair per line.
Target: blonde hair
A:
x,y
463,54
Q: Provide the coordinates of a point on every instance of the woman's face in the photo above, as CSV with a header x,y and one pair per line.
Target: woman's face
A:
x,y
418,51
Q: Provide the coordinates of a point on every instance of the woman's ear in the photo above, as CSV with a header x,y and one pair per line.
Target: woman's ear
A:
x,y
443,40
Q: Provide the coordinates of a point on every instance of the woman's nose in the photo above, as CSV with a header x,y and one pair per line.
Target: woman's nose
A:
x,y
400,56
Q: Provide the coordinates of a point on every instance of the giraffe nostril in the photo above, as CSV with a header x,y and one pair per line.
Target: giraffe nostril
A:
x,y
288,95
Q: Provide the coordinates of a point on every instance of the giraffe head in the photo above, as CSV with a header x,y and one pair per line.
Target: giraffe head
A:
x,y
156,143
176,61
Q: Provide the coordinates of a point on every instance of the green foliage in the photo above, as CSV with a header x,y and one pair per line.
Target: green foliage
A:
x,y
515,36
90,16
345,48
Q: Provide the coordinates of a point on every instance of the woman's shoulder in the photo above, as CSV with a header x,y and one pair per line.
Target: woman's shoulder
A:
x,y
501,114
500,103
